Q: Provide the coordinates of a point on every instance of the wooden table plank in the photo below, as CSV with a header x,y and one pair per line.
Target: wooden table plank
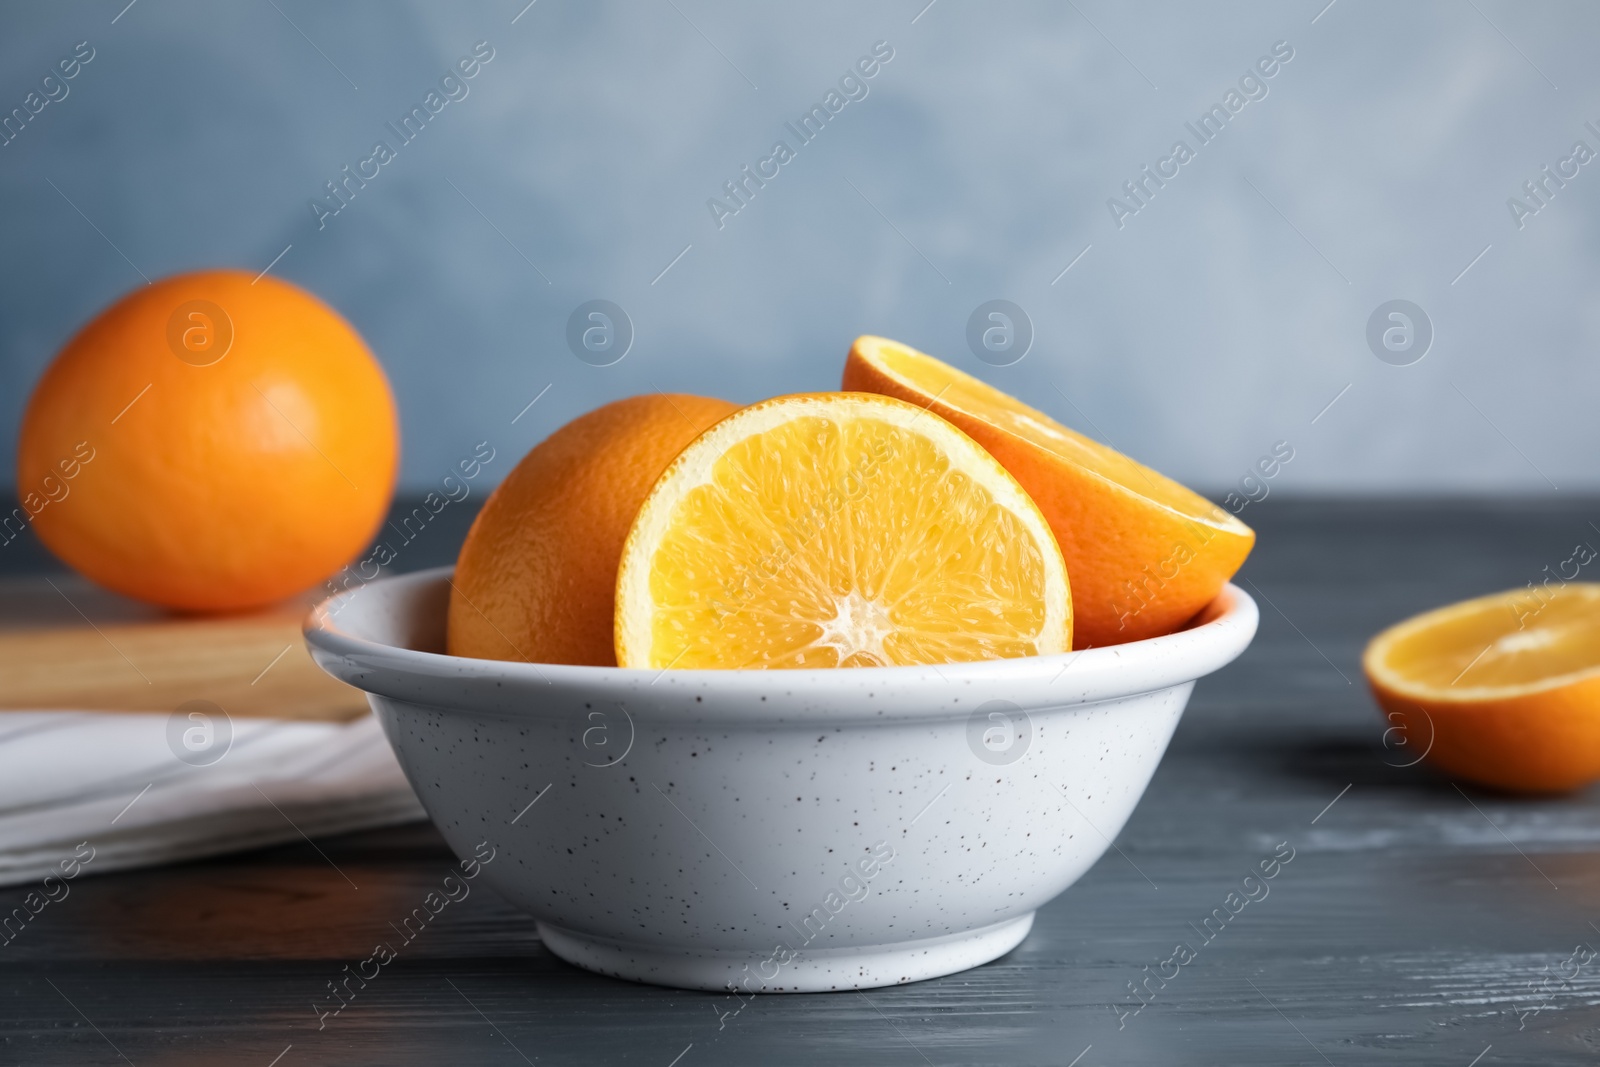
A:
x,y
1405,930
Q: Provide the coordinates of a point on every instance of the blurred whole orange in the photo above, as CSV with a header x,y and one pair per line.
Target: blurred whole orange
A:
x,y
242,444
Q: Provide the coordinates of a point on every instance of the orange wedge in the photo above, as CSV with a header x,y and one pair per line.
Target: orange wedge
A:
x,y
1145,553
837,530
1503,690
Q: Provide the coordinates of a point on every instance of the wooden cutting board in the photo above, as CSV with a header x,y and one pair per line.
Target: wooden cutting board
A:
x,y
66,644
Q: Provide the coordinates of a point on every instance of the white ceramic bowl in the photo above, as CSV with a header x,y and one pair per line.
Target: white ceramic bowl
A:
x,y
772,830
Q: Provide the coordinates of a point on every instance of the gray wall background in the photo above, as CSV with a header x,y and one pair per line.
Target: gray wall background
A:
x,y
1220,319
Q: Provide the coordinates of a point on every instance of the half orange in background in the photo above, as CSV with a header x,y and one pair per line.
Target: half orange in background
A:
x,y
1503,690
1144,553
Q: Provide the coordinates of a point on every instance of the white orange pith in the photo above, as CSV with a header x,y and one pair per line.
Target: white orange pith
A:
x,y
837,530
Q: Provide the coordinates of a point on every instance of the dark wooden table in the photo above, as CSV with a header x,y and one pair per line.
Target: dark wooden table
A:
x,y
1415,923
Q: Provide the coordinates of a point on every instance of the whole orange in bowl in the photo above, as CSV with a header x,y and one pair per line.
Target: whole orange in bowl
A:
x,y
537,576
1144,553
210,443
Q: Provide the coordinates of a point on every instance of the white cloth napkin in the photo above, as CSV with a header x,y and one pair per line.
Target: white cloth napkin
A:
x,y
114,780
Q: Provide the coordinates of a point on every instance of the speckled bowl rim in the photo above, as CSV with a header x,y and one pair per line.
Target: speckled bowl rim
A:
x,y
345,648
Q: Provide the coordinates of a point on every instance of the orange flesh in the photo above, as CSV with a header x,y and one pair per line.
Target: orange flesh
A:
x,y
833,536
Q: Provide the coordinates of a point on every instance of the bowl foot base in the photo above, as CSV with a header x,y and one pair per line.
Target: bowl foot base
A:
x,y
811,971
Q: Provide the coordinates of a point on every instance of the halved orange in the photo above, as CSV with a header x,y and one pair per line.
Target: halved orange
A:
x,y
837,530
1504,688
1145,553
